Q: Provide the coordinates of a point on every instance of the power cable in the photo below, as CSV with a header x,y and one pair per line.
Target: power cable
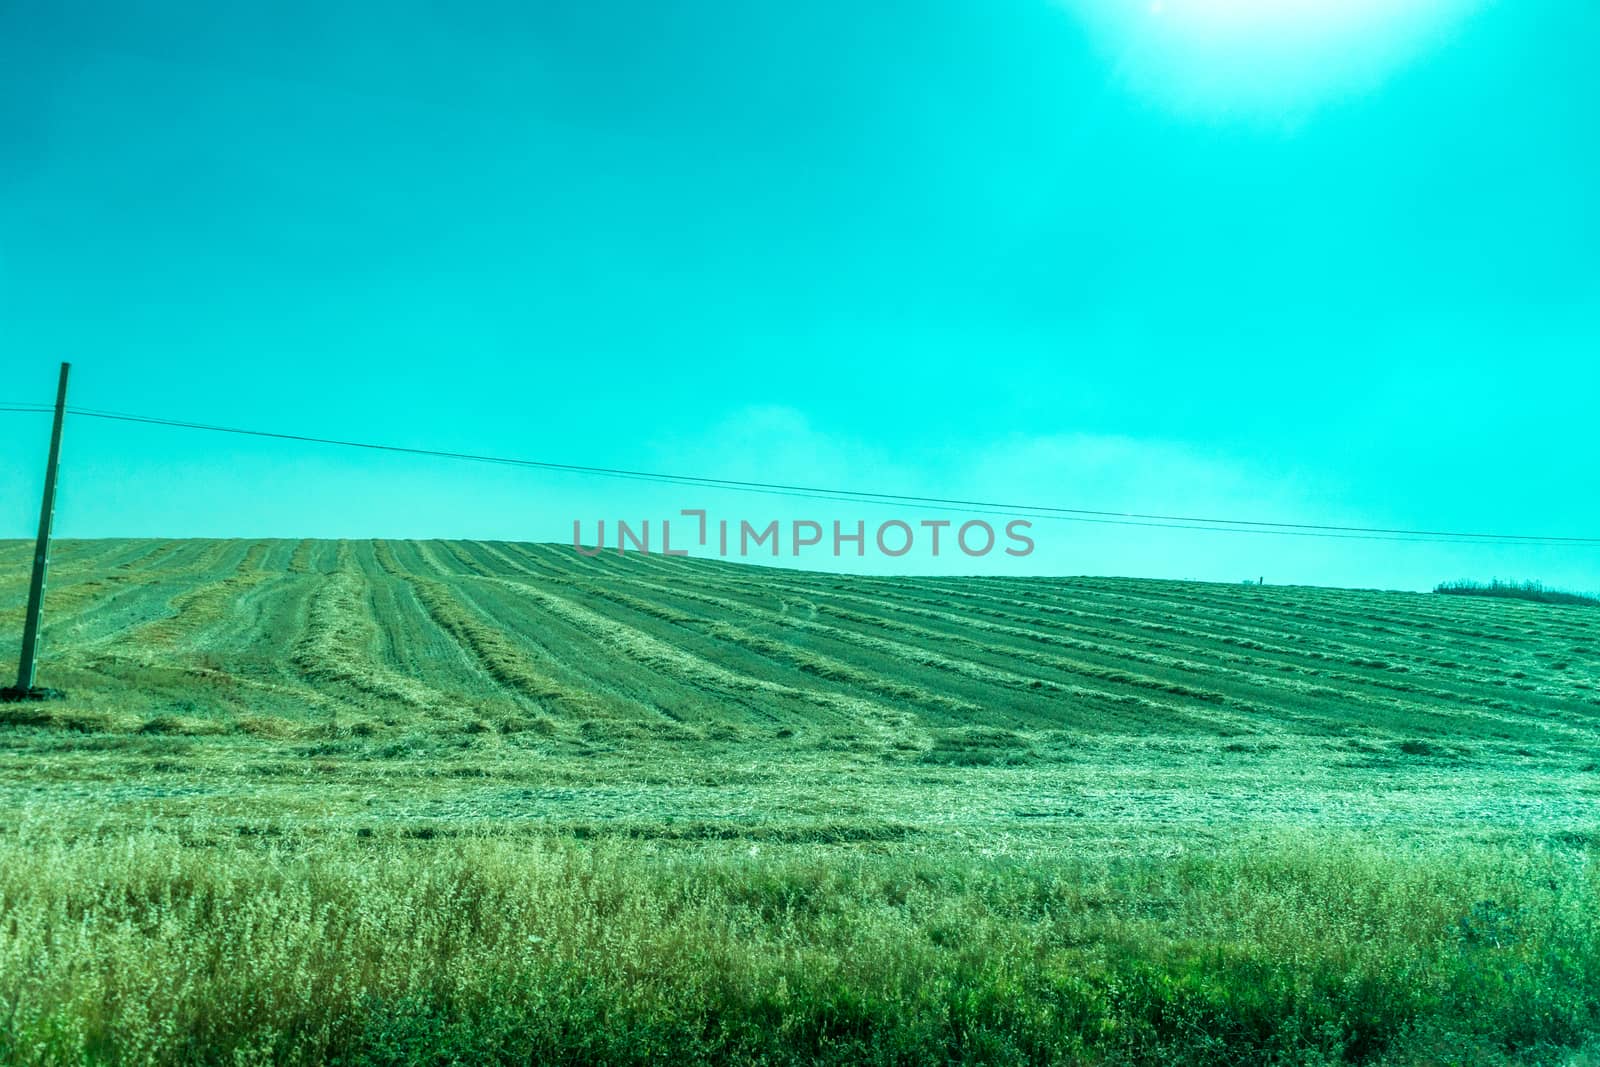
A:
x,y
1114,518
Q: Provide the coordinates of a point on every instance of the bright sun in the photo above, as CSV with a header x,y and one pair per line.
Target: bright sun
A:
x,y
1293,17
1270,56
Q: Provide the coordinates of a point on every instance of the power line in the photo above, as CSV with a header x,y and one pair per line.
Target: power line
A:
x,y
1114,518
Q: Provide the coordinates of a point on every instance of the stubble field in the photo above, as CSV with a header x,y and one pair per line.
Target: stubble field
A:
x,y
461,802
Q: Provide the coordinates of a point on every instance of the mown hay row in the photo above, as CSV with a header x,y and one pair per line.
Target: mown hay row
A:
x,y
700,672
338,641
1158,638
504,661
66,600
205,605
812,662
385,557
806,661
300,562
829,668
1341,703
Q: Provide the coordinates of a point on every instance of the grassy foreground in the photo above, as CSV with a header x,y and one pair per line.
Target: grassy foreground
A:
x,y
155,949
480,802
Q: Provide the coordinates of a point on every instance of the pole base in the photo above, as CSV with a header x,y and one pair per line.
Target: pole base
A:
x,y
12,695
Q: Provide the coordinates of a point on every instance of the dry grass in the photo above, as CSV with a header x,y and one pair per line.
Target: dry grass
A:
x,y
152,949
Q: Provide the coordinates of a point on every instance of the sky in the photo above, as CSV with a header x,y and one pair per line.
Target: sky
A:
x,y
1278,260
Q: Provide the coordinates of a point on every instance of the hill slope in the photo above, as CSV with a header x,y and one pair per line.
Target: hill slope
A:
x,y
465,666
461,627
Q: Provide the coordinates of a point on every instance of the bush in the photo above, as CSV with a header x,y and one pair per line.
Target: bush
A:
x,y
1517,591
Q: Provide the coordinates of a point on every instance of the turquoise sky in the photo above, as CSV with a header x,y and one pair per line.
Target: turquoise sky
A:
x,y
1217,257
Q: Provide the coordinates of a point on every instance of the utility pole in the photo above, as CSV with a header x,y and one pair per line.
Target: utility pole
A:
x,y
25,689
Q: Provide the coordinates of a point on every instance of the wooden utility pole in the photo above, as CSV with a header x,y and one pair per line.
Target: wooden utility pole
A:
x,y
25,689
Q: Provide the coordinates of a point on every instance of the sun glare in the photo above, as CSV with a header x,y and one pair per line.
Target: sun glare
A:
x,y
1263,55
1276,16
